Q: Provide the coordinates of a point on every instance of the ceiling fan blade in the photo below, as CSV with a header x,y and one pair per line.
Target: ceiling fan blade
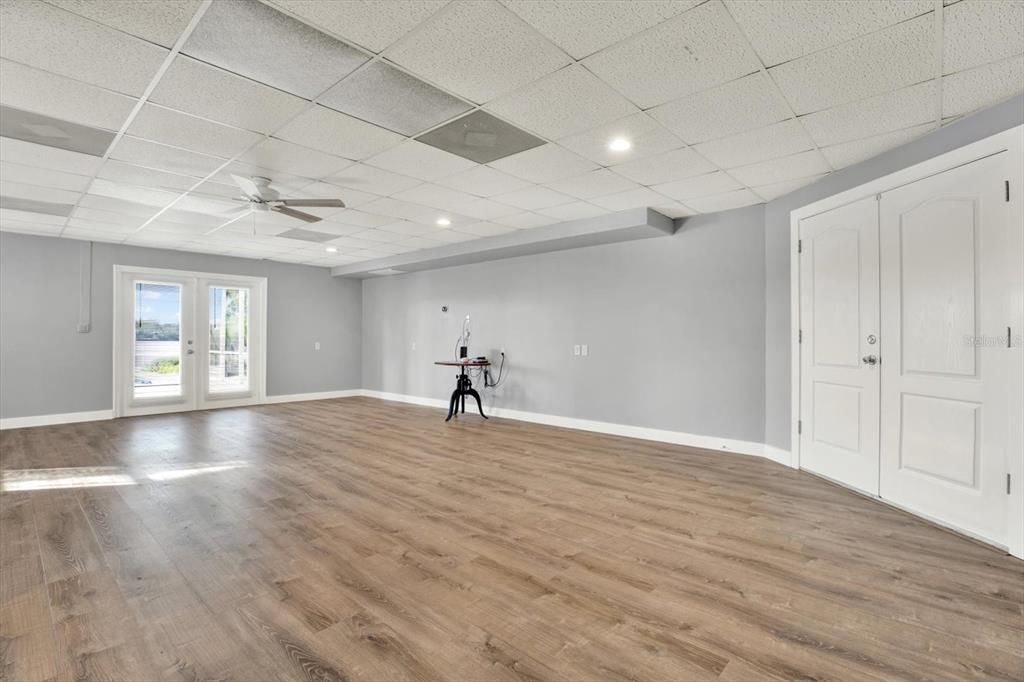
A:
x,y
284,210
314,203
248,187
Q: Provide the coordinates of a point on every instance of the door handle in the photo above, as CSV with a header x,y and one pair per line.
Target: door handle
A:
x,y
190,352
870,359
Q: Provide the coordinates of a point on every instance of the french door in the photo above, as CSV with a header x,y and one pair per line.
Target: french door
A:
x,y
187,341
909,377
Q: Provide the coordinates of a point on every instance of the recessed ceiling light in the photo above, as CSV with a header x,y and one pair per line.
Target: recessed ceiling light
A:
x,y
444,222
619,144
332,249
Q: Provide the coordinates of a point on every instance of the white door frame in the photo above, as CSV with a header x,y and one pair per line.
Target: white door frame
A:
x,y
258,358
1009,141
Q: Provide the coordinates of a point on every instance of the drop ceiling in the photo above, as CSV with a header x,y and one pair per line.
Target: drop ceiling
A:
x,y
125,120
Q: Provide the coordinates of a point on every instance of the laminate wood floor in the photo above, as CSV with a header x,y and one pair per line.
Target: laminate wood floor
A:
x,y
356,539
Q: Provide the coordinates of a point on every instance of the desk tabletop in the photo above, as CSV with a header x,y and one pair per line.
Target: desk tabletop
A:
x,y
463,363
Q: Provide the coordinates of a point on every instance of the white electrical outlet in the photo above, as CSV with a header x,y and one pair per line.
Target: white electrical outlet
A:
x,y
585,350
576,349
316,345
414,345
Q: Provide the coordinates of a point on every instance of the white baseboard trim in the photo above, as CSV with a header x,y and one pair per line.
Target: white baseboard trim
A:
x,y
644,433
51,419
302,397
779,455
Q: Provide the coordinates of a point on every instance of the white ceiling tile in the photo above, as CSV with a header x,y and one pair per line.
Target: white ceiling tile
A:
x,y
110,217
592,184
395,247
44,36
780,139
100,226
543,164
420,160
527,220
336,133
566,102
725,202
380,236
849,153
442,198
739,105
340,229
892,58
204,90
12,216
283,183
92,235
673,209
534,197
777,189
574,211
978,32
69,100
484,182
408,227
401,209
353,243
291,158
699,186
633,198
478,50
486,209
645,135
29,154
873,116
125,208
373,180
158,21
451,236
43,177
30,228
256,41
187,206
675,165
981,87
692,52
190,132
153,155
22,191
421,242
361,219
485,229
132,193
786,168
118,171
369,23
582,27
782,30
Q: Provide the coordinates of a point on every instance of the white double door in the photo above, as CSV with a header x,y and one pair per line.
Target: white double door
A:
x,y
186,341
908,377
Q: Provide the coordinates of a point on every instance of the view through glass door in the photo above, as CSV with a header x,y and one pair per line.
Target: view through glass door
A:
x,y
186,341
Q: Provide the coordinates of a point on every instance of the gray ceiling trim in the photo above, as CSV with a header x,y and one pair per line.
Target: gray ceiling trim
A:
x,y
636,223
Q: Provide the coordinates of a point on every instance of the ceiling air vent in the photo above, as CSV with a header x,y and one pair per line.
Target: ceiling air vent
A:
x,y
480,137
308,235
53,132
33,206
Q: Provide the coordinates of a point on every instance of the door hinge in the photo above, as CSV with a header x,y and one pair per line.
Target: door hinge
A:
x,y
1007,484
799,245
799,426
1009,338
1007,185
799,335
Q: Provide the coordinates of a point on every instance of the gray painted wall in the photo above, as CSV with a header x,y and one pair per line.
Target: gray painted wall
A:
x,y
675,327
49,368
777,249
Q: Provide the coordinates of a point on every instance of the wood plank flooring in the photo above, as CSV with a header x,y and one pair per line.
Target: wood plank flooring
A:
x,y
357,539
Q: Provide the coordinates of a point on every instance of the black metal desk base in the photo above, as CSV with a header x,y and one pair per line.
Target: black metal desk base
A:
x,y
463,387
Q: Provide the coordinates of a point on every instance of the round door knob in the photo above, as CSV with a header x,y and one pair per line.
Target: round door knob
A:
x,y
870,359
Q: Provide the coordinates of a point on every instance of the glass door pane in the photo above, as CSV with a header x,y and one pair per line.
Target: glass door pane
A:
x,y
157,340
229,340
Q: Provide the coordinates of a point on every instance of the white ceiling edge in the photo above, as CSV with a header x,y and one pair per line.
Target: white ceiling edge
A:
x,y
624,226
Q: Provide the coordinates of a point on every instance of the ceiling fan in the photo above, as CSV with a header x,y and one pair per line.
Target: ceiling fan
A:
x,y
258,194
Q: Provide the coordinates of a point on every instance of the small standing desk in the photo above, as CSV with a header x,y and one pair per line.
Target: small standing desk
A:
x,y
463,386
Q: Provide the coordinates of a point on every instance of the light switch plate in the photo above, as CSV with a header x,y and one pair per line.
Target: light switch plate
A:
x,y
576,349
585,350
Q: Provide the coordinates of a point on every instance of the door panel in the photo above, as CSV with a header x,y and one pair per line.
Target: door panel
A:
x,y
839,323
946,376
